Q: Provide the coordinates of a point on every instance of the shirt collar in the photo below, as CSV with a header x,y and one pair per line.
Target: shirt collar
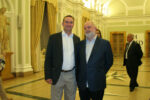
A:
x,y
65,34
130,42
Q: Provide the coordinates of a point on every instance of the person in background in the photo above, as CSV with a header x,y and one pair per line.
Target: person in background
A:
x,y
94,60
132,59
98,32
3,94
60,62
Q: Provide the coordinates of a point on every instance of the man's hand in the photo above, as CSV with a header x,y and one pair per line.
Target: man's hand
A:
x,y
49,81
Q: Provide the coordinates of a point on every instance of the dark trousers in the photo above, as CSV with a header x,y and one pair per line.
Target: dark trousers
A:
x,y
132,72
86,94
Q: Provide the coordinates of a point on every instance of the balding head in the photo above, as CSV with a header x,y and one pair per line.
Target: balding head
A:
x,y
89,23
130,37
90,29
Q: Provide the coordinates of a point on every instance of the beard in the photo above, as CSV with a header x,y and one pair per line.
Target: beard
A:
x,y
90,35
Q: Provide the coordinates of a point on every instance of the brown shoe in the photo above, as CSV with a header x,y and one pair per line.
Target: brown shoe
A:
x,y
10,99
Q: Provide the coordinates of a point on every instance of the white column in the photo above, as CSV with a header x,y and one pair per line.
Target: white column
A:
x,y
78,19
60,15
93,16
23,51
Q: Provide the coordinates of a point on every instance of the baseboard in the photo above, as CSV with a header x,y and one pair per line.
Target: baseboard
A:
x,y
22,74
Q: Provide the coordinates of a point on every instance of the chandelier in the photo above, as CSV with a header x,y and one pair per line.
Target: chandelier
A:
x,y
101,6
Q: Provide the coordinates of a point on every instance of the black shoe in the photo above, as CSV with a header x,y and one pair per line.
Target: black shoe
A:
x,y
132,89
136,85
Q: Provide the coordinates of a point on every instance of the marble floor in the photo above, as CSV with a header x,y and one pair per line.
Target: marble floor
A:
x,y
34,87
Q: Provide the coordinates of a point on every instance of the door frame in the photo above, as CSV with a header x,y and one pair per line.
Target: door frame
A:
x,y
147,43
117,32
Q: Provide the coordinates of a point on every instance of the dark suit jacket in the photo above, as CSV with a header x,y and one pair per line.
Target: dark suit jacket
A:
x,y
134,55
94,72
54,56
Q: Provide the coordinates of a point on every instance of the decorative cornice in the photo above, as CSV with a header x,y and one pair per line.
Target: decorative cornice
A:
x,y
75,1
127,17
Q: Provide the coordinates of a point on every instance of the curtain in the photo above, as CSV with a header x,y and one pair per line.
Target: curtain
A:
x,y
33,2
54,2
51,12
37,12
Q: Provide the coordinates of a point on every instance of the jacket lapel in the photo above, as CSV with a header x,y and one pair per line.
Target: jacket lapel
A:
x,y
60,45
131,46
94,49
83,52
74,42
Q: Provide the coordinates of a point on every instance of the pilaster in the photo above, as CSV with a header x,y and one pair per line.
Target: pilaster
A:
x,y
23,51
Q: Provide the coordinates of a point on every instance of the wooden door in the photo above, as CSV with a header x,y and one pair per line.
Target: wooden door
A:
x,y
118,41
147,38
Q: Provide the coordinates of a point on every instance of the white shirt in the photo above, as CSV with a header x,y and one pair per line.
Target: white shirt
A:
x,y
68,51
89,48
126,56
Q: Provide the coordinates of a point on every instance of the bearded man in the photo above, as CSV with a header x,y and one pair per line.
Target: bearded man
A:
x,y
94,60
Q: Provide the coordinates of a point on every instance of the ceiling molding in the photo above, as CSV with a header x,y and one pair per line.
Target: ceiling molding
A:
x,y
126,6
127,18
135,8
144,9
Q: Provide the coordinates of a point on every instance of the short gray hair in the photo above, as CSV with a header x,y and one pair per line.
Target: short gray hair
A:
x,y
131,35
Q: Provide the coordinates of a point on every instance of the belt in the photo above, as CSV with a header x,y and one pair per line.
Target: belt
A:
x,y
67,70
